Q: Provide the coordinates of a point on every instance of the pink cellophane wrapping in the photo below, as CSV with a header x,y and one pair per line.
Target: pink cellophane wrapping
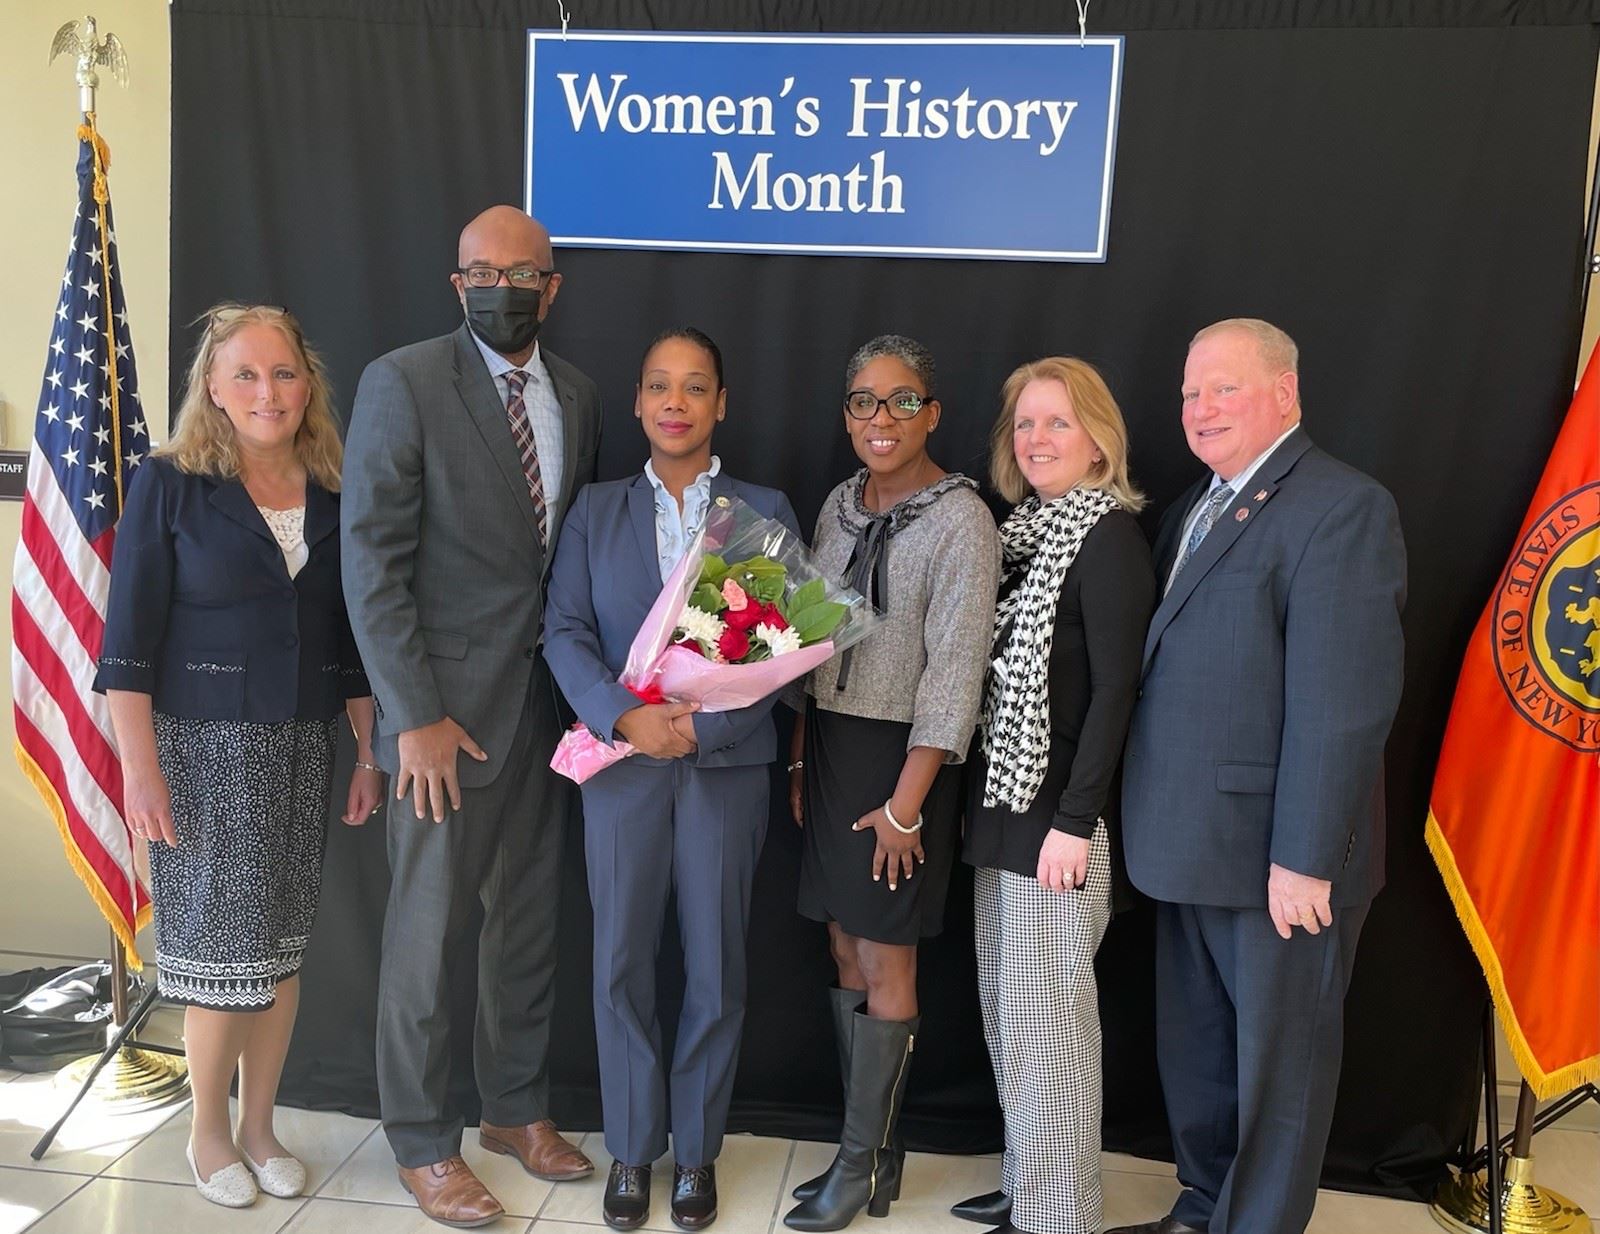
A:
x,y
687,677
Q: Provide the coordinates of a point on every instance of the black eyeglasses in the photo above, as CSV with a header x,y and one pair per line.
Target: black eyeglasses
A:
x,y
902,404
518,276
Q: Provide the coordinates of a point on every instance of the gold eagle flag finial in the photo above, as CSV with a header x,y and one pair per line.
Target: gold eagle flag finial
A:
x,y
81,39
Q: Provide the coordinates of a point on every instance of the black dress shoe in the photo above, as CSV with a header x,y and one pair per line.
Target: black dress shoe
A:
x,y
694,1196
990,1208
1167,1225
627,1201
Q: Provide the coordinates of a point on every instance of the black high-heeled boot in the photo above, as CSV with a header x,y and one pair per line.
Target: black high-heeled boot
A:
x,y
844,1004
880,1060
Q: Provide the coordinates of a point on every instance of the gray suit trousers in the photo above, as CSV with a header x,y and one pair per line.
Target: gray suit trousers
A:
x,y
1249,1035
502,847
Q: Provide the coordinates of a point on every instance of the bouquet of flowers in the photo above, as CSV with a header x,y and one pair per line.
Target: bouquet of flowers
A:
x,y
727,635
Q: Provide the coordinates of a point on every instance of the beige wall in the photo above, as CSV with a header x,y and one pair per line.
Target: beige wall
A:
x,y
43,907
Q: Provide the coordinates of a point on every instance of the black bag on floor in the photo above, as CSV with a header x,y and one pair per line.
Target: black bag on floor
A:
x,y
50,1016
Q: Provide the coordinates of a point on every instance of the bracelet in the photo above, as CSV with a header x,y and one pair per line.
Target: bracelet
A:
x,y
368,767
796,765
895,823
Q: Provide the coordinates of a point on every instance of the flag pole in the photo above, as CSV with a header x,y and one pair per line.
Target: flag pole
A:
x,y
128,1074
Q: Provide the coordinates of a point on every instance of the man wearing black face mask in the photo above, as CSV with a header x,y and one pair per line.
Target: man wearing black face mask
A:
x,y
463,454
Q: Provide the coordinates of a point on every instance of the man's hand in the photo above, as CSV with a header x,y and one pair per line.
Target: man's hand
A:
x,y
428,766
1298,900
1063,861
661,730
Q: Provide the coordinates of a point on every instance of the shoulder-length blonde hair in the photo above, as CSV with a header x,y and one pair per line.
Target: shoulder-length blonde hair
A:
x,y
203,442
1097,412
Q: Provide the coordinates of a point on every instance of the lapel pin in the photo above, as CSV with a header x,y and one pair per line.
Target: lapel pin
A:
x,y
723,503
1241,514
1262,495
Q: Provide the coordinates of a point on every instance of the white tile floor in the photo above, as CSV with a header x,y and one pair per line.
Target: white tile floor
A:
x,y
127,1175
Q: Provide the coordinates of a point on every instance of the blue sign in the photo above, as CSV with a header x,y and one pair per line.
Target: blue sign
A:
x,y
889,146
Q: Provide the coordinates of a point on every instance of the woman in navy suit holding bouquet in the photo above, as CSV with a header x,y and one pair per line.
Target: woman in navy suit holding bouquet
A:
x,y
688,811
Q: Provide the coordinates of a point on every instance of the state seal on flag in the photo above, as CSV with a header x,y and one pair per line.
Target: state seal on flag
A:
x,y
1546,627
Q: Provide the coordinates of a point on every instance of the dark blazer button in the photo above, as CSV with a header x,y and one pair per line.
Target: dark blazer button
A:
x,y
527,653
292,640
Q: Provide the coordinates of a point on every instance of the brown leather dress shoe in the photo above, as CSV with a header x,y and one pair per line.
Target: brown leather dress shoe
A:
x,y
450,1193
540,1149
1167,1225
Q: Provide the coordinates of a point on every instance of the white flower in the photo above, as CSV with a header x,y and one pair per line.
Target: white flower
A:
x,y
781,642
705,628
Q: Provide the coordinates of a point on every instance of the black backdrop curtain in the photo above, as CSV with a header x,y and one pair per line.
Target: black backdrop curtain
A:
x,y
1400,185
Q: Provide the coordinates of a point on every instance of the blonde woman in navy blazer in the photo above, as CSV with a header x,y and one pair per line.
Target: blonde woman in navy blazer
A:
x,y
227,660
688,812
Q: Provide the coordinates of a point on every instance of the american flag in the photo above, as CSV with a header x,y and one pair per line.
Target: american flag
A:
x,y
89,438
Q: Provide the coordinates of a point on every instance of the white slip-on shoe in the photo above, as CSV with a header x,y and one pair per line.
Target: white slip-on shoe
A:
x,y
284,1177
231,1186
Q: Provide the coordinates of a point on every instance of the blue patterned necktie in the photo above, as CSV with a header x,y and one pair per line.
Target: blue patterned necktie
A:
x,y
1209,513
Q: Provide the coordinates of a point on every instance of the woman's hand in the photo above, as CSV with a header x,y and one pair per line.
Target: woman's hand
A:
x,y
797,772
146,804
1063,861
896,851
650,730
364,797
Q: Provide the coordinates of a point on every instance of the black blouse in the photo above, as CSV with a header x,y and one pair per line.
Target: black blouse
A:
x,y
1106,600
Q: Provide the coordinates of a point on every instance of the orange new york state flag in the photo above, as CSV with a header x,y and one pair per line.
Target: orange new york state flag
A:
x,y
1514,819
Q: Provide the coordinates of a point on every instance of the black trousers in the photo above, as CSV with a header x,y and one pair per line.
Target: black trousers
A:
x,y
1249,1036
502,847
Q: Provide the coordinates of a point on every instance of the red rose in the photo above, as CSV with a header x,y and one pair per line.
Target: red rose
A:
x,y
691,644
648,694
734,644
744,620
772,617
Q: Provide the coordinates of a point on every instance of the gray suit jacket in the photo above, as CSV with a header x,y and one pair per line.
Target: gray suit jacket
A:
x,y
443,571
1272,672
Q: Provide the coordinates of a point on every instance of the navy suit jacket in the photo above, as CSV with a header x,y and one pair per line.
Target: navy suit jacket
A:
x,y
605,577
203,615
1271,675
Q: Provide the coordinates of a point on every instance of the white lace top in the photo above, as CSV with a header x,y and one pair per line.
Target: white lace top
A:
x,y
289,529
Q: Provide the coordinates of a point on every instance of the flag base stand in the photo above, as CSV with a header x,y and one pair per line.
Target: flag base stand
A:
x,y
128,1075
138,1078
1462,1204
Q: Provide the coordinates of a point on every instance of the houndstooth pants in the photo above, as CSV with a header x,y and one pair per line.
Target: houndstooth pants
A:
x,y
1041,1022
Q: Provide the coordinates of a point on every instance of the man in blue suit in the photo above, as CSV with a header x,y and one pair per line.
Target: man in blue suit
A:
x,y
1253,788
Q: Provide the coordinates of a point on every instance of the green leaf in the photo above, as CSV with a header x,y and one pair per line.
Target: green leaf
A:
x,y
815,622
806,595
761,577
707,598
712,570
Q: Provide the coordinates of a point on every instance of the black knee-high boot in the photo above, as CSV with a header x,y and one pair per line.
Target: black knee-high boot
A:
x,y
860,1177
845,1003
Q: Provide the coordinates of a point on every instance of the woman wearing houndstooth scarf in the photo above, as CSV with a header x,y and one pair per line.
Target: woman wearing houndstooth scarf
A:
x,y
1076,593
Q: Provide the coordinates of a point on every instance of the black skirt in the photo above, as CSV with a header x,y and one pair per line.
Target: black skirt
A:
x,y
852,766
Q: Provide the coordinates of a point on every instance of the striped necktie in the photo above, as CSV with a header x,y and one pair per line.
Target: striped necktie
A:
x,y
522,434
1209,513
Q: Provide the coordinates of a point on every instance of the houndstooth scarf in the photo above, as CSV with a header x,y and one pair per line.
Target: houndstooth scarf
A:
x,y
1042,539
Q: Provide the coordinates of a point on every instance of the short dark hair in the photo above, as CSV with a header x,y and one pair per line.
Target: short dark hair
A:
x,y
691,335
908,351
